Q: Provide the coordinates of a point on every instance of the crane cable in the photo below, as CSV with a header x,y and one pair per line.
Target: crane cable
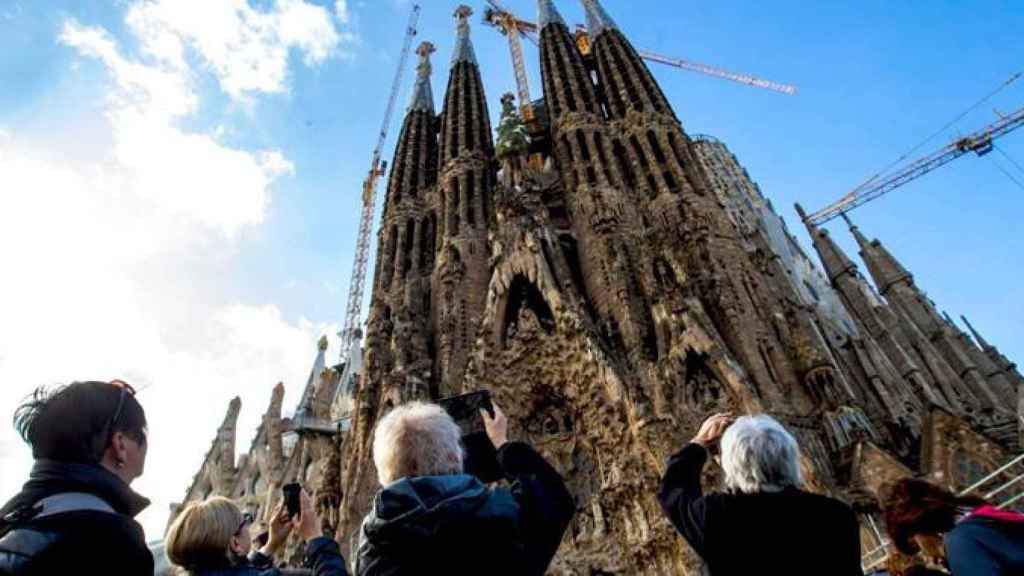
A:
x,y
942,130
1007,172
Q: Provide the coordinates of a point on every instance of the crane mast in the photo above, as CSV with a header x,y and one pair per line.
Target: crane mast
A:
x,y
350,334
512,28
980,142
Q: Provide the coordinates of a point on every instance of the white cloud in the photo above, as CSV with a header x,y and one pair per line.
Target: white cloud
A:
x,y
341,11
114,259
247,48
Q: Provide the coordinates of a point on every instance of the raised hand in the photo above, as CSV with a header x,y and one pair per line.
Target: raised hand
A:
x,y
497,427
713,428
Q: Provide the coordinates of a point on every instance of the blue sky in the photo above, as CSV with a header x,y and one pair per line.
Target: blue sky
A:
x,y
179,180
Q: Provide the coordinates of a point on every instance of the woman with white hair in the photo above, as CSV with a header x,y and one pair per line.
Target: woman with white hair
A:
x,y
430,518
764,523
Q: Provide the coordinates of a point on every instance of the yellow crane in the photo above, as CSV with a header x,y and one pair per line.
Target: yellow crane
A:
x,y
350,333
514,28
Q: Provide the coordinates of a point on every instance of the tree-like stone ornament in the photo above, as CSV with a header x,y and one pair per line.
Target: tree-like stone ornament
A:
x,y
513,142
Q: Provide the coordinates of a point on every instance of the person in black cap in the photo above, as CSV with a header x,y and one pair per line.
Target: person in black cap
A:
x,y
75,514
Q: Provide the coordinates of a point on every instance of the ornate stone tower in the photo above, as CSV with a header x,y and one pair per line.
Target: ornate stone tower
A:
x,y
607,224
897,285
399,331
465,204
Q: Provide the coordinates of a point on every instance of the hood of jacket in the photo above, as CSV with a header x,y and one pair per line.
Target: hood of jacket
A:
x,y
49,477
416,508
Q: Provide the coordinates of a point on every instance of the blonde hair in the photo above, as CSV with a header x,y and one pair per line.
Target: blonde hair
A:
x,y
416,439
201,534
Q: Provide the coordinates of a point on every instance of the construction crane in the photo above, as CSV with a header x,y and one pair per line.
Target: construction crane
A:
x,y
351,334
980,143
513,27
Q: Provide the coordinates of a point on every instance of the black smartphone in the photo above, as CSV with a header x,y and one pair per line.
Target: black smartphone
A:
x,y
481,459
465,409
292,498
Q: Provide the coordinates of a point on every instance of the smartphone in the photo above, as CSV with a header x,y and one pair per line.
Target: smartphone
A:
x,y
481,459
465,409
292,498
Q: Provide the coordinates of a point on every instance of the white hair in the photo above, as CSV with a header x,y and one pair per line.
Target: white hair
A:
x,y
416,439
759,455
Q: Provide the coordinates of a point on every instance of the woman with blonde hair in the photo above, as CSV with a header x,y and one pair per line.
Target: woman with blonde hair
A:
x,y
212,538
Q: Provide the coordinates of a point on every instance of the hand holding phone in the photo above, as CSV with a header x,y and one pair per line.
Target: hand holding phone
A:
x,y
292,498
496,426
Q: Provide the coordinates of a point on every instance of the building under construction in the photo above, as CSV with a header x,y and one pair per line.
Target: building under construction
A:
x,y
613,280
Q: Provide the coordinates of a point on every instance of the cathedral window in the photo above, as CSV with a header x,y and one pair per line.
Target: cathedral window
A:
x,y
414,156
425,248
676,146
454,214
467,106
566,92
967,470
625,168
602,157
582,143
630,86
407,243
485,198
652,139
670,180
471,199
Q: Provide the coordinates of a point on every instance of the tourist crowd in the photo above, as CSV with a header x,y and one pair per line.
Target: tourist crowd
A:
x,y
75,514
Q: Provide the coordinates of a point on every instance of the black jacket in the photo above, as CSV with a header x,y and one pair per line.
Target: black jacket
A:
x,y
80,542
790,532
455,525
986,547
323,557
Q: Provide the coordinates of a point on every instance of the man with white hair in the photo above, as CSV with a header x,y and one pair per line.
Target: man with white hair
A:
x,y
763,523
430,518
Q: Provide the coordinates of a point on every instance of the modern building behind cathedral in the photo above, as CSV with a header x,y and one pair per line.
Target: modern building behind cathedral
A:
x,y
613,280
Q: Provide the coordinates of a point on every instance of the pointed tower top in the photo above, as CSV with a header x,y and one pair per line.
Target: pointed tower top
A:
x,y
464,46
548,14
885,269
322,344
862,240
833,258
423,93
598,19
977,337
231,417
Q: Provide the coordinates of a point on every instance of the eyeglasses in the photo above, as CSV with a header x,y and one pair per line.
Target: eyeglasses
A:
x,y
126,389
247,520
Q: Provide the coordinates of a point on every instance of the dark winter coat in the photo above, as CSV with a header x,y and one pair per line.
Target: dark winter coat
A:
x,y
789,532
982,546
323,558
77,542
455,525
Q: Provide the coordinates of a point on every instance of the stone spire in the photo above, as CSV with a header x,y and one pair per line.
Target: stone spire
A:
x,y
884,267
464,203
222,465
628,84
423,93
463,44
548,14
977,336
598,19
833,258
305,405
